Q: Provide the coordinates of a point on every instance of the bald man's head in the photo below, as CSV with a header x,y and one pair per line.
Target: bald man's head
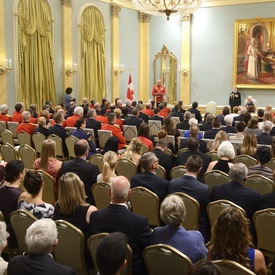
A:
x,y
120,190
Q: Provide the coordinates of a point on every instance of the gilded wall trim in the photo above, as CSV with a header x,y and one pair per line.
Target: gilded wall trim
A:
x,y
66,2
143,17
115,10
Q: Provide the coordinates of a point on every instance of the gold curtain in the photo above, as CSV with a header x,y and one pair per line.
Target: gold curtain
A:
x,y
172,81
35,53
93,78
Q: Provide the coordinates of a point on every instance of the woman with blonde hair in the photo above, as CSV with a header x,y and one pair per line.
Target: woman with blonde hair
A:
x,y
231,240
249,146
133,151
48,162
42,127
3,243
109,166
219,138
71,205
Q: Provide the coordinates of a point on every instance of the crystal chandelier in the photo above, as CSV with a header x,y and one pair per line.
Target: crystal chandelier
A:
x,y
168,7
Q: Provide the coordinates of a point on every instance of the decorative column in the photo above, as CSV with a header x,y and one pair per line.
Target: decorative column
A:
x,y
143,78
3,78
67,42
115,9
185,60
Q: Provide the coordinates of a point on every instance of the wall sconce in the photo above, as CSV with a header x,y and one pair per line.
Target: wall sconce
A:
x,y
70,71
6,69
182,71
119,70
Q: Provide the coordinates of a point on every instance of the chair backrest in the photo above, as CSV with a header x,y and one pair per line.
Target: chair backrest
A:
x,y
69,129
12,126
264,221
175,120
20,221
70,248
101,194
103,136
168,151
92,134
8,152
126,168
59,146
7,136
24,138
144,149
171,139
181,132
271,164
214,209
49,187
161,172
3,125
93,242
211,107
97,159
260,184
179,139
191,221
178,171
70,142
37,139
245,159
154,127
146,203
162,259
28,155
215,177
129,132
214,155
228,267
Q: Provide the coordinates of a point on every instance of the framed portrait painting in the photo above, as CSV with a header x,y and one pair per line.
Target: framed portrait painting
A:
x,y
254,53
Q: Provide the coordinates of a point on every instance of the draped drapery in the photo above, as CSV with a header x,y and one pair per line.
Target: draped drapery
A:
x,y
93,76
35,53
172,84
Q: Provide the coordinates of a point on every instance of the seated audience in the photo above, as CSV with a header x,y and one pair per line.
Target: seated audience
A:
x,y
3,243
192,122
162,134
196,112
219,138
48,162
239,136
11,194
78,113
133,120
101,117
228,120
119,121
265,137
17,114
34,185
216,127
226,154
249,146
184,125
170,128
225,112
4,113
41,239
143,135
176,112
231,240
133,151
109,168
267,117
188,242
111,254
207,125
42,127
263,156
204,267
252,127
92,123
26,126
156,116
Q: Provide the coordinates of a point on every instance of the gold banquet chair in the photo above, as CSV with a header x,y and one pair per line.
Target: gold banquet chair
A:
x,y
129,132
12,126
70,248
7,136
161,172
20,221
271,164
145,203
103,136
245,159
28,155
101,194
213,154
228,267
144,149
178,171
3,125
70,142
260,184
59,146
37,139
162,259
191,221
8,152
49,187
93,242
215,208
126,168
154,127
215,177
97,159
24,138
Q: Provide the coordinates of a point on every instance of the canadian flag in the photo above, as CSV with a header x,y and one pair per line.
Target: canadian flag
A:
x,y
130,90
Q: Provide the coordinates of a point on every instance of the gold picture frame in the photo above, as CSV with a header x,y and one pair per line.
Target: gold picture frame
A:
x,y
254,53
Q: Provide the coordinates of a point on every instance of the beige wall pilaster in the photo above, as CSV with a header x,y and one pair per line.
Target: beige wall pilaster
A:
x,y
143,78
115,9
3,79
67,42
185,60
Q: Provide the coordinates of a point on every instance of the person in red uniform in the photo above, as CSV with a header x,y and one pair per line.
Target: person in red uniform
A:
x,y
26,126
17,115
78,113
4,113
115,130
159,92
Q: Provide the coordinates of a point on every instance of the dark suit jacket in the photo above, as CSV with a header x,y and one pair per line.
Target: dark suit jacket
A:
x,y
157,118
229,129
199,191
182,158
165,160
272,132
211,133
150,181
116,218
205,126
197,114
237,118
133,120
86,171
33,264
93,124
184,125
203,146
264,138
62,133
143,117
268,201
177,114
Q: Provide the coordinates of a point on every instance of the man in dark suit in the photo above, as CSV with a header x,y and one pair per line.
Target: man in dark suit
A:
x,y
189,185
196,112
228,119
86,171
193,145
165,160
265,137
117,218
216,124
240,117
41,238
208,124
133,120
92,123
176,112
235,191
148,179
225,112
184,125
156,116
142,115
